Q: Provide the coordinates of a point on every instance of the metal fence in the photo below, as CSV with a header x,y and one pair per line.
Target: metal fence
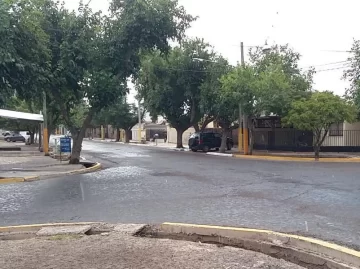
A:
x,y
295,140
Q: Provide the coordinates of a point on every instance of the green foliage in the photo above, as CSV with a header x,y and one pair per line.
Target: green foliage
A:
x,y
121,115
78,57
318,113
212,104
171,84
353,74
23,48
280,80
239,87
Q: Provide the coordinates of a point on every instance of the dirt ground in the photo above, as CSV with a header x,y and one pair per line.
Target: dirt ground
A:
x,y
116,250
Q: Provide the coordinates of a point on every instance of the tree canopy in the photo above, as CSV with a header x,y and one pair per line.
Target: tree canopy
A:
x,y
171,83
318,113
82,57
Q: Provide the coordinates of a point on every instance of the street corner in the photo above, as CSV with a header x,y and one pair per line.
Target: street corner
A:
x,y
69,228
296,159
89,167
304,251
180,149
220,154
7,180
99,245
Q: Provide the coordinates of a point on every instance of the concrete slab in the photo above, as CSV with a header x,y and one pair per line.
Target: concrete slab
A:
x,y
129,229
61,230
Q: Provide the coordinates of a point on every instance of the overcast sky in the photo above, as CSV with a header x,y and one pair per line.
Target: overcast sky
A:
x,y
318,29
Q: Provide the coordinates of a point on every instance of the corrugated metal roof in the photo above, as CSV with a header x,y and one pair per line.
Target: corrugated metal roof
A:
x,y
20,115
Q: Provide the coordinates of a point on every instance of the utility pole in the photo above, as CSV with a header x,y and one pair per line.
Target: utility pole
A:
x,y
240,130
243,132
139,118
45,132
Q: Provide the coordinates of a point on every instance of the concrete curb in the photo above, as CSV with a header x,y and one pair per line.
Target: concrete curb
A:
x,y
94,168
307,252
37,227
219,154
296,159
18,179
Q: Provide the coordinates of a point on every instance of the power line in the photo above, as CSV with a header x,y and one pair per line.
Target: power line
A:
x,y
347,51
330,69
333,63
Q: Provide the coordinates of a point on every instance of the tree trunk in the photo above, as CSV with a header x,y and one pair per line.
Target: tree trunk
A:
x,y
206,122
78,139
196,127
251,138
224,140
32,137
317,152
127,135
179,134
117,134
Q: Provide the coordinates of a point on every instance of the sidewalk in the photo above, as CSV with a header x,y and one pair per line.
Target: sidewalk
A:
x,y
147,144
119,249
10,149
33,167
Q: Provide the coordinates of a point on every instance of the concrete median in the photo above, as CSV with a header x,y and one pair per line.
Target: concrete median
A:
x,y
304,251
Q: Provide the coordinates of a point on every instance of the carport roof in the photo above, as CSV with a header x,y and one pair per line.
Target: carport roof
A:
x,y
21,115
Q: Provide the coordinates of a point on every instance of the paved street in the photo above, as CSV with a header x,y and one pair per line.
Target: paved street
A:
x,y
149,185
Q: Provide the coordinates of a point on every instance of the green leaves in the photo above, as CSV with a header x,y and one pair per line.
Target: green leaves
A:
x,y
120,115
171,84
353,74
319,111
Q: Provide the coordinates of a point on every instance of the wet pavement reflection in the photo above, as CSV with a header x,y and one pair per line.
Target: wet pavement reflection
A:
x,y
149,185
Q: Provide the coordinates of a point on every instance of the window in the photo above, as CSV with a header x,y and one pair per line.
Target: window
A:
x,y
336,129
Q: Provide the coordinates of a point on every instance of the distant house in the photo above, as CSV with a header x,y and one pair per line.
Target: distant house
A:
x,y
343,134
171,133
148,131
271,135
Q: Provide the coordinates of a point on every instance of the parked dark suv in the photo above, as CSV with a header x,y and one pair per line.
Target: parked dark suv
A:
x,y
208,141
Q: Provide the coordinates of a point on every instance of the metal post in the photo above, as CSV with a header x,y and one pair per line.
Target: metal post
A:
x,y
139,118
245,130
102,132
40,137
46,134
240,131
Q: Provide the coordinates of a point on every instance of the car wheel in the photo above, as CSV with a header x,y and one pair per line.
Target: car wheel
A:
x,y
194,150
217,149
7,139
205,148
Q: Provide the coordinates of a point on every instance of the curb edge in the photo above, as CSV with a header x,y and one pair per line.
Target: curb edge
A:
x,y
295,159
35,227
308,244
93,168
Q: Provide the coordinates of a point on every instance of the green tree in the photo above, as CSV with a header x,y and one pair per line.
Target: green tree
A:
x,y
353,74
122,115
170,84
93,55
240,86
24,55
317,113
268,85
214,105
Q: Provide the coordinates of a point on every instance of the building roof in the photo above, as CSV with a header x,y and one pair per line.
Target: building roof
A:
x,y
20,115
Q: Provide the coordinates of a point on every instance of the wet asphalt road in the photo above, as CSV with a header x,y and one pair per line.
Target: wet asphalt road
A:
x,y
149,185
